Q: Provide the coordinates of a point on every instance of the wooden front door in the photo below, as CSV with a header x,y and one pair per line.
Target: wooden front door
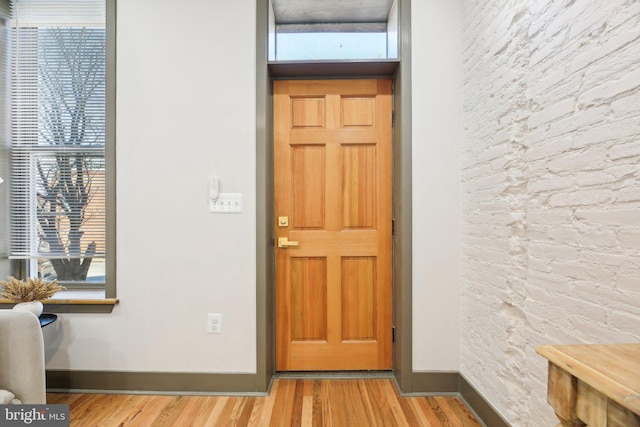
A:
x,y
332,161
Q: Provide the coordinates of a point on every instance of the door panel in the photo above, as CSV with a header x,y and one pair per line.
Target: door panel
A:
x,y
332,161
358,293
359,186
307,186
309,297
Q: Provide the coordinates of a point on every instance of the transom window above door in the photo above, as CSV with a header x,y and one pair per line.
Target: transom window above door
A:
x,y
308,30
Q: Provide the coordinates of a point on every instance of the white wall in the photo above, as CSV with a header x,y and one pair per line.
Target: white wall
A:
x,y
186,102
185,110
551,190
437,121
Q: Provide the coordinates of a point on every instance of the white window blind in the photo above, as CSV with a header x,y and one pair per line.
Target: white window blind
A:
x,y
57,13
58,59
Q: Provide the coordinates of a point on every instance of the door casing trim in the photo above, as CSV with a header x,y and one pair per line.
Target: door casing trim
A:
x,y
402,196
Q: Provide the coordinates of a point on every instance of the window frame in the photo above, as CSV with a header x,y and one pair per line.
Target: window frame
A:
x,y
100,298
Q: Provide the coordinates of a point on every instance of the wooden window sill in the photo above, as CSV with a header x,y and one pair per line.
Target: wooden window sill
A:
x,y
74,301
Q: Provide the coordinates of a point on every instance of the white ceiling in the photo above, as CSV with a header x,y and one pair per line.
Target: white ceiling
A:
x,y
330,11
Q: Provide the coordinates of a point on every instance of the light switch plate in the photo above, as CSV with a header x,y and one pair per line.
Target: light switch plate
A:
x,y
226,203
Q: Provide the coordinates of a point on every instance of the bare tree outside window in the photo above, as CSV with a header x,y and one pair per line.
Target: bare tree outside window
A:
x,y
69,171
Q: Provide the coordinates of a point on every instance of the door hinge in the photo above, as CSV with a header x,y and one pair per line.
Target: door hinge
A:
x,y
393,334
393,118
393,227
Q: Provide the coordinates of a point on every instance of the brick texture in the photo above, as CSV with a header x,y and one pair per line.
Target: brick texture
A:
x,y
550,190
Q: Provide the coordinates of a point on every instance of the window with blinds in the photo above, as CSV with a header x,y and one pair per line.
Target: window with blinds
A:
x,y
58,138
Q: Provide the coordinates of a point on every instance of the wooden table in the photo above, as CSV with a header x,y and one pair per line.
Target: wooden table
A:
x,y
594,385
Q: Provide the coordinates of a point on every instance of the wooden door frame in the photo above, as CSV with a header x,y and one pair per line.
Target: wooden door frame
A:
x,y
402,211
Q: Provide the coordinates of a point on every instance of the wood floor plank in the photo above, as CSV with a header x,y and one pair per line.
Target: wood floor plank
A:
x,y
125,406
424,408
205,411
383,406
370,403
190,411
256,413
168,413
446,410
354,410
291,403
215,415
89,408
180,411
317,411
413,416
263,409
389,392
461,412
298,396
244,411
420,416
306,414
327,417
147,411
62,398
443,412
283,406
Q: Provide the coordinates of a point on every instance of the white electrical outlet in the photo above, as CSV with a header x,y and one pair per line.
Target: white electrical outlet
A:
x,y
214,323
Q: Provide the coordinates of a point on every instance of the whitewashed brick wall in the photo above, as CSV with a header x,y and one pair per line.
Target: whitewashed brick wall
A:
x,y
550,191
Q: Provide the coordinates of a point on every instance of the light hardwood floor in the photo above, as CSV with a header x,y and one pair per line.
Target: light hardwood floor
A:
x,y
292,402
